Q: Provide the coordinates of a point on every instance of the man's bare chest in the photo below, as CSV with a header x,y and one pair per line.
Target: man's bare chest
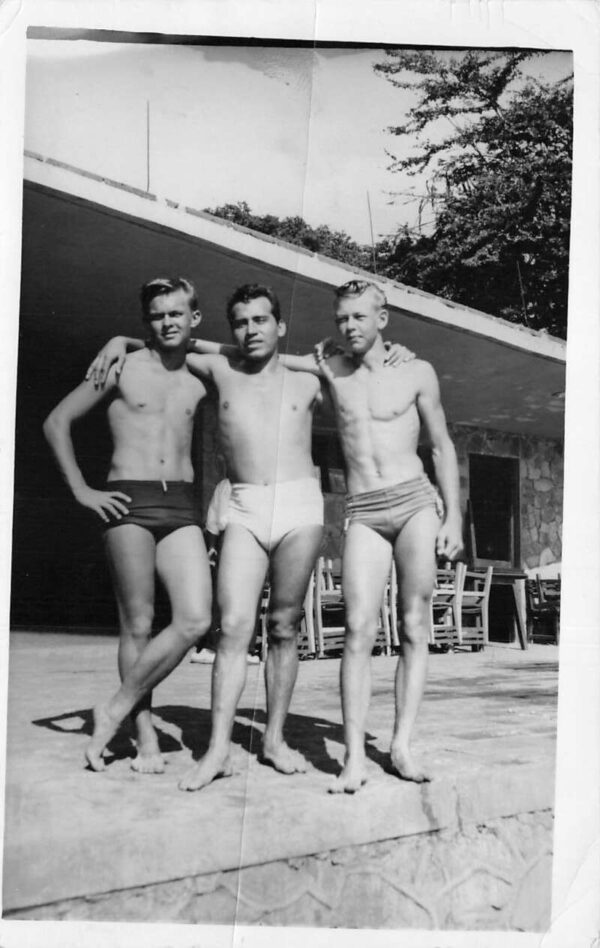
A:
x,y
244,399
170,395
384,396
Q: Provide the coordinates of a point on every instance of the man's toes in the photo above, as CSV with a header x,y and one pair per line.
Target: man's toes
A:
x,y
95,762
301,763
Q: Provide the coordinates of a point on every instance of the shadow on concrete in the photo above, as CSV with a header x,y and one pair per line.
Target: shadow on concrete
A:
x,y
308,734
119,748
304,733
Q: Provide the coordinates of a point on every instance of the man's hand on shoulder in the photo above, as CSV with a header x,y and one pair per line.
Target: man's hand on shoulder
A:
x,y
328,355
397,354
113,353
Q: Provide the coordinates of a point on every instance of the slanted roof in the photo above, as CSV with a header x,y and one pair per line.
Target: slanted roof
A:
x,y
89,243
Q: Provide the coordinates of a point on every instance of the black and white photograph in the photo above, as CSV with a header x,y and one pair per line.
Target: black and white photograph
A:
x,y
298,557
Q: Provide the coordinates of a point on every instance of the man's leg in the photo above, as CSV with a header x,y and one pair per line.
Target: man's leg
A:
x,y
365,569
242,570
130,552
292,562
182,564
414,552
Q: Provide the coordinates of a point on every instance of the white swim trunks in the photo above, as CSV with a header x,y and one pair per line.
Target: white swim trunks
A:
x,y
271,511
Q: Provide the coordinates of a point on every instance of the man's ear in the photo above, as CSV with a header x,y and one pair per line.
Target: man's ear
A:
x,y
196,318
281,329
383,318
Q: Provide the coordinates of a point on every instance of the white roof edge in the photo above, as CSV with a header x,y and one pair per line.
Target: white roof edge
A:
x,y
164,212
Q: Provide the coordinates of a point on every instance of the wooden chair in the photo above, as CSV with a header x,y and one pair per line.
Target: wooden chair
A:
x,y
262,639
390,606
329,605
307,645
543,609
306,639
445,607
473,604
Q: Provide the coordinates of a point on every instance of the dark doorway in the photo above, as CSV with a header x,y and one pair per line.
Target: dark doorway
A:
x,y
494,506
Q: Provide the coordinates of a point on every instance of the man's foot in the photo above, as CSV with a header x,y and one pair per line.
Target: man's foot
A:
x,y
252,659
148,763
351,779
283,759
148,759
205,656
205,771
105,728
405,767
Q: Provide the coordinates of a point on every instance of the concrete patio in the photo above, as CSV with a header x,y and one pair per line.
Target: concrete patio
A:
x,y
470,850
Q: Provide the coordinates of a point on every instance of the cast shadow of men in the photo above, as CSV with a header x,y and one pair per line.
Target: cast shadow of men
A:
x,y
305,733
309,734
193,725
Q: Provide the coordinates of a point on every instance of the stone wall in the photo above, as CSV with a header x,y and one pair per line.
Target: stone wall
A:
x,y
540,486
493,876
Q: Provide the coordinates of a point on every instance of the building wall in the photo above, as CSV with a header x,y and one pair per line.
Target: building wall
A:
x,y
540,489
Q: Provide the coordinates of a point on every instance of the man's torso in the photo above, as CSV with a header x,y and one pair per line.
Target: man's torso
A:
x,y
378,422
265,421
151,419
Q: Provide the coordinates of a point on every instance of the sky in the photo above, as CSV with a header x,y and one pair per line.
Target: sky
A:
x,y
289,131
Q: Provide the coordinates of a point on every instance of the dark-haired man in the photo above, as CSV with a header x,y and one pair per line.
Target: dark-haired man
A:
x,y
147,509
275,512
275,518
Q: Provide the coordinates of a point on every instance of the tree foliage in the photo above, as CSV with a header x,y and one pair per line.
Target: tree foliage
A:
x,y
499,184
332,243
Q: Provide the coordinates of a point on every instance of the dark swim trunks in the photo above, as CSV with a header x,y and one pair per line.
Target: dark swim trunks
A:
x,y
386,511
159,506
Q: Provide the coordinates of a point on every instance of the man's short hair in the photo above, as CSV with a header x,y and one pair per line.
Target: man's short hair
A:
x,y
253,291
357,288
162,286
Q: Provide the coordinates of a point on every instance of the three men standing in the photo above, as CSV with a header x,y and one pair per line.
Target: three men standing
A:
x,y
276,515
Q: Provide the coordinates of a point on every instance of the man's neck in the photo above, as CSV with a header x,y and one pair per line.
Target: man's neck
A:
x,y
374,357
269,365
170,359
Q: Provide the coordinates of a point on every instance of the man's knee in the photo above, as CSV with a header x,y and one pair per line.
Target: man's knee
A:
x,y
236,629
361,630
138,624
283,623
416,619
192,625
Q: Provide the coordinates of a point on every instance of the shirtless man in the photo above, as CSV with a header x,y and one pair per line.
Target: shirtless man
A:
x,y
393,511
147,509
275,519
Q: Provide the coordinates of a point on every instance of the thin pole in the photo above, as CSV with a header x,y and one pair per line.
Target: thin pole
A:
x,y
147,144
372,238
522,293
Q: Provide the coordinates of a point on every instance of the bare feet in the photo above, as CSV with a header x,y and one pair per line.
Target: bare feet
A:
x,y
148,759
205,771
105,728
405,767
352,777
283,759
